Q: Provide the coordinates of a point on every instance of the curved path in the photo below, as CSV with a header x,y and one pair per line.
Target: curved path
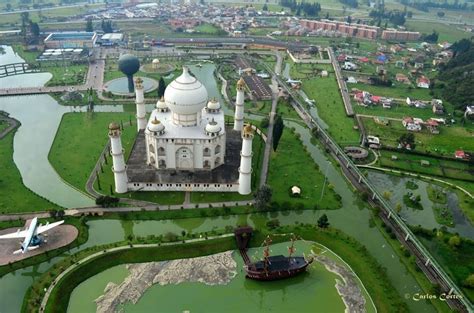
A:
x,y
13,123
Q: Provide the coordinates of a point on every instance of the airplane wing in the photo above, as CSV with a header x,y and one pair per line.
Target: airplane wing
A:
x,y
18,234
43,228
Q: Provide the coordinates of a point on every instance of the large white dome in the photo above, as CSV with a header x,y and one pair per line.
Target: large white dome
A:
x,y
186,94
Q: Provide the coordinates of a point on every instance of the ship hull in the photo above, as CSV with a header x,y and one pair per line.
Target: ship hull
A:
x,y
275,275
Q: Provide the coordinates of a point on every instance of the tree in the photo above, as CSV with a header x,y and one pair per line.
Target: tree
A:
x,y
89,26
53,213
8,7
263,196
387,195
349,19
440,14
277,131
264,122
469,281
107,26
265,7
454,241
34,29
61,213
161,87
323,221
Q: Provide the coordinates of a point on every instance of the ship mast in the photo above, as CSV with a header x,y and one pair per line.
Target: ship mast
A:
x,y
266,253
292,248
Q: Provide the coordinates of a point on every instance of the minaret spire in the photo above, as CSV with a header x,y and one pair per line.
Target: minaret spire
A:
x,y
119,168
239,106
140,102
245,169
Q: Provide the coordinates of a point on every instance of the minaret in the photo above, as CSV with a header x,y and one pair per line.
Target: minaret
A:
x,y
118,167
140,101
239,106
245,169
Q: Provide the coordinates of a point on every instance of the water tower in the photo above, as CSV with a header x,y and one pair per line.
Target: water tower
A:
x,y
129,65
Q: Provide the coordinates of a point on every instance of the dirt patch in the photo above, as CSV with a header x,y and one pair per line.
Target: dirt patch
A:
x,y
55,238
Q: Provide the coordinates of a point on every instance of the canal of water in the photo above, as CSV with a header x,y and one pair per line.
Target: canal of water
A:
x,y
40,117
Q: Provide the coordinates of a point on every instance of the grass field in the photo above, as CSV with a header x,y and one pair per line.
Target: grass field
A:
x,y
397,111
74,157
328,100
445,143
14,196
291,166
398,90
446,32
438,167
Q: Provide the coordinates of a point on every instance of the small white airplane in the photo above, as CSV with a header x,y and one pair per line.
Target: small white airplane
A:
x,y
31,234
310,102
292,81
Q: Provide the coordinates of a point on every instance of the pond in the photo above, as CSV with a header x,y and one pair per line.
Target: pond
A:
x,y
313,291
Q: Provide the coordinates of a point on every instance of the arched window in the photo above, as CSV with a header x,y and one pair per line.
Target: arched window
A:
x,y
218,161
151,148
207,152
161,151
207,165
218,149
152,160
162,164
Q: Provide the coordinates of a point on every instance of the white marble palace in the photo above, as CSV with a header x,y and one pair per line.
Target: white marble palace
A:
x,y
185,145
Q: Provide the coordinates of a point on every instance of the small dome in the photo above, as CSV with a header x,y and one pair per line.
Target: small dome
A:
x,y
213,127
213,104
156,126
248,130
241,83
161,104
114,126
186,94
155,61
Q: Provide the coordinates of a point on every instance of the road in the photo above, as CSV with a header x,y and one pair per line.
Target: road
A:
x,y
341,83
271,122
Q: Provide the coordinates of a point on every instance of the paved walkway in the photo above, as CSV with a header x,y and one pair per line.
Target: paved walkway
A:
x,y
13,123
342,83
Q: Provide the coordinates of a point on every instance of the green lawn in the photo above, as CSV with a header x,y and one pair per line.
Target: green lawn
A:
x,y
449,139
397,111
437,167
398,90
14,196
446,32
74,157
207,28
291,166
331,108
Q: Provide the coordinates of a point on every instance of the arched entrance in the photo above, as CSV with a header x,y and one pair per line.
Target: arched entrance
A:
x,y
184,159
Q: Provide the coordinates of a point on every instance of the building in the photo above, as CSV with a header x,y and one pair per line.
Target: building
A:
x,y
110,39
411,124
437,106
399,35
423,82
341,28
185,144
257,87
402,78
70,40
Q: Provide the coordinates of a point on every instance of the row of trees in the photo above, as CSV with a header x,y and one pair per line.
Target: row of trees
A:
x,y
106,25
426,5
306,8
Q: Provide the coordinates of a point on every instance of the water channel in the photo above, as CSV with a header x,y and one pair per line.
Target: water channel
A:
x,y
40,117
